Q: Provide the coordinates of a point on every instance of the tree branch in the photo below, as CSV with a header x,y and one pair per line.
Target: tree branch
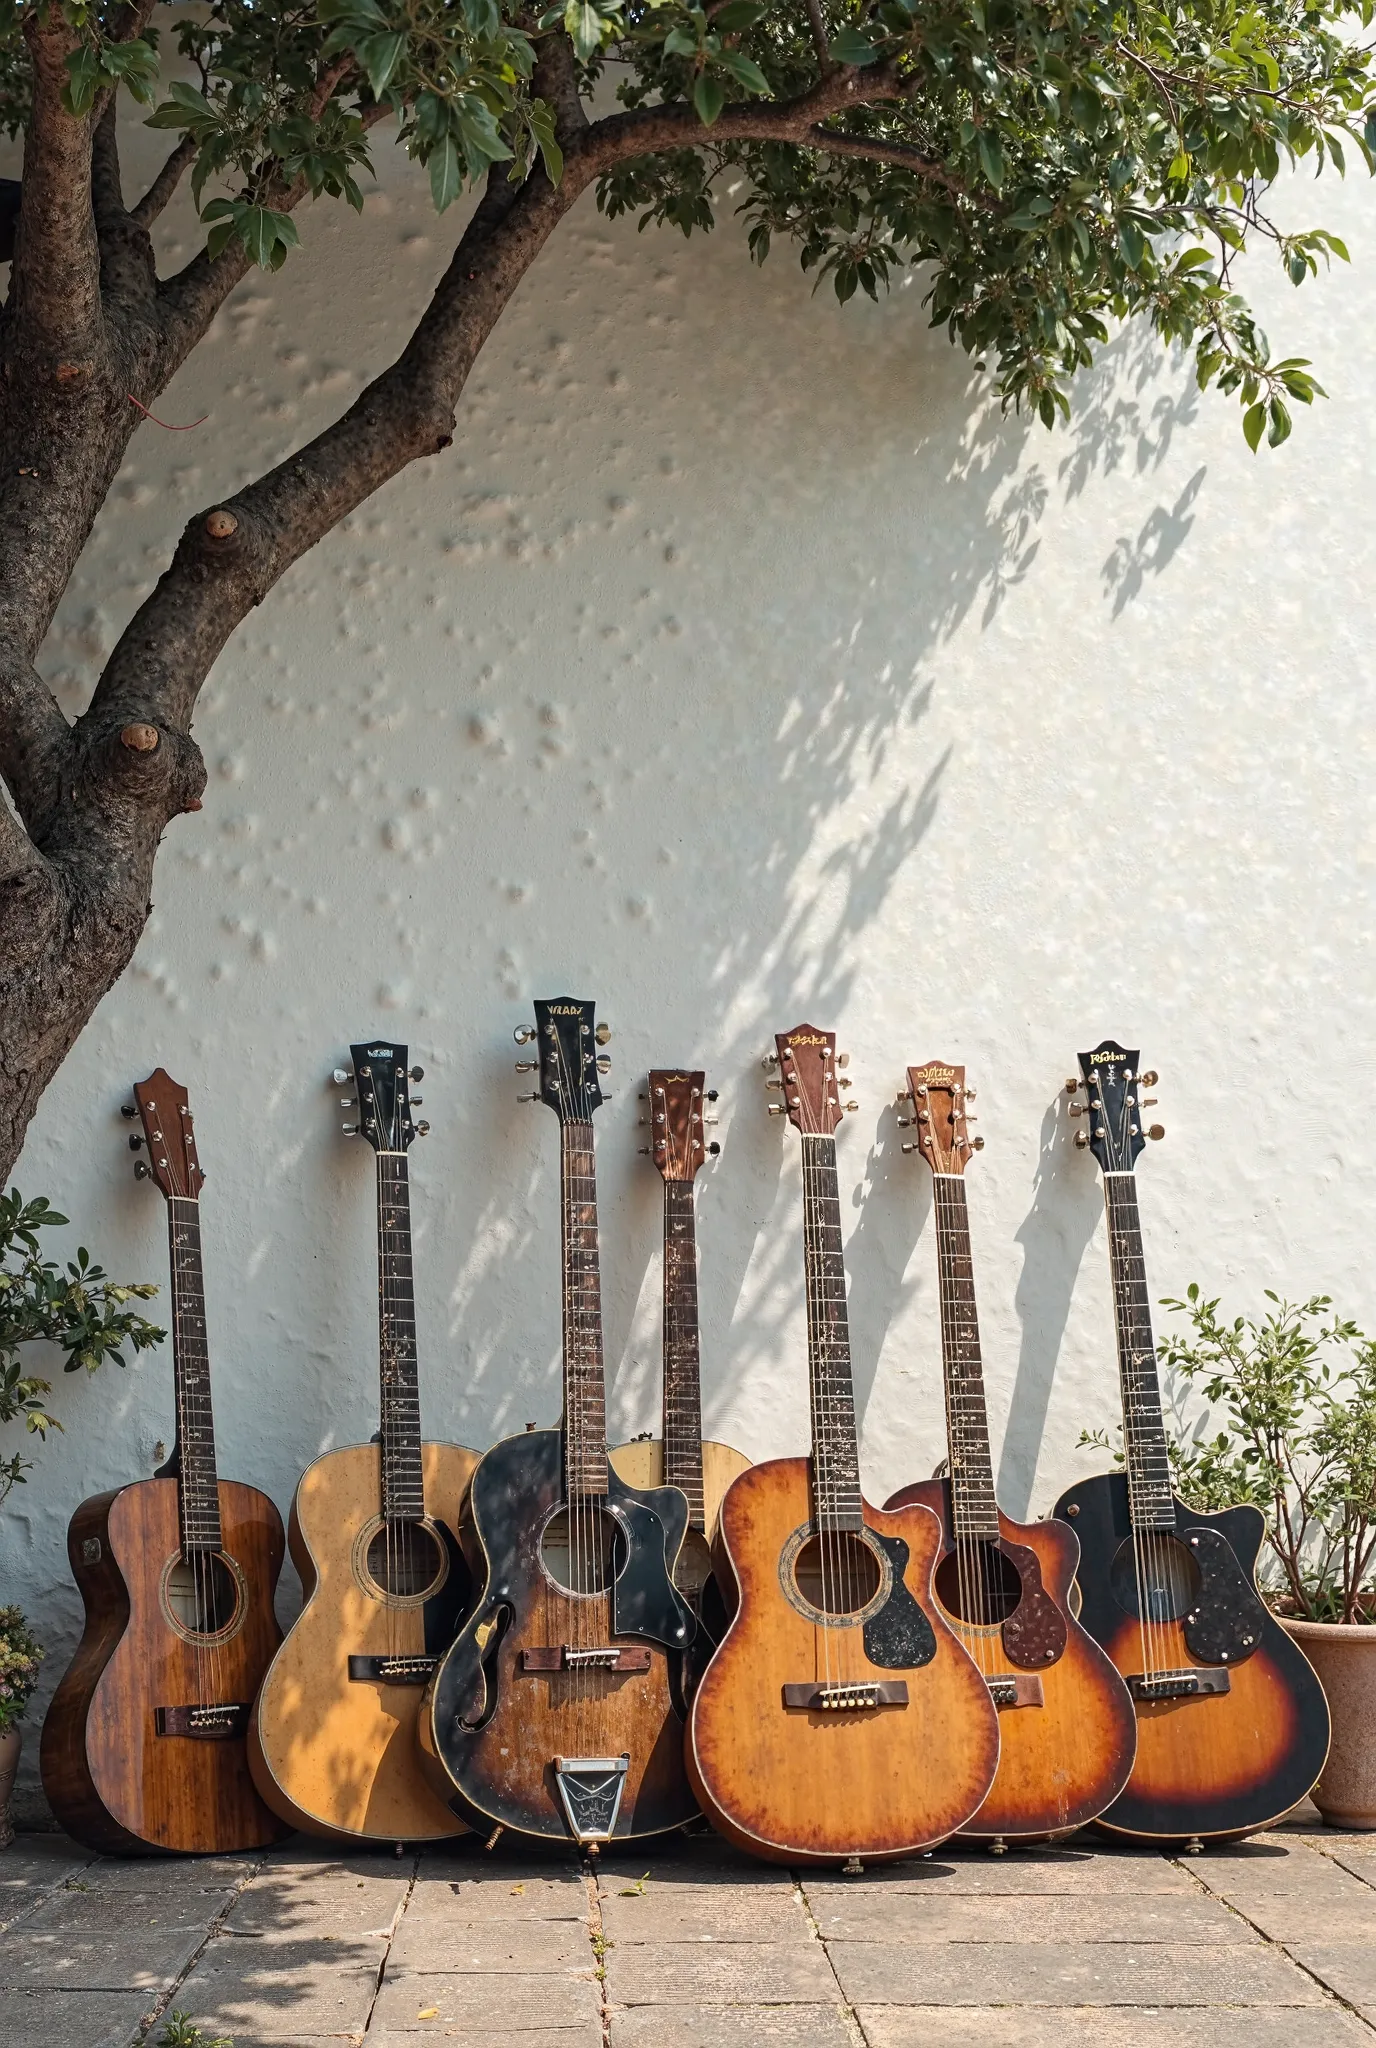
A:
x,y
146,210
128,275
55,293
819,35
555,79
34,742
838,143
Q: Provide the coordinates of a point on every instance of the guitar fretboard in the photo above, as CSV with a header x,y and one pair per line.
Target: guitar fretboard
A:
x,y
835,1451
1150,1501
403,1489
973,1507
198,1482
682,1381
585,1394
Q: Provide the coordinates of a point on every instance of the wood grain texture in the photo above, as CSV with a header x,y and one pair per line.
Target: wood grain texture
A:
x,y
334,1756
1060,1763
112,1780
822,1787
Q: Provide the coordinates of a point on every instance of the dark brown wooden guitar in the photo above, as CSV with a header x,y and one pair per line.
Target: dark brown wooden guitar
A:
x,y
676,1114
143,1745
1066,1719
1232,1723
841,1720
558,1712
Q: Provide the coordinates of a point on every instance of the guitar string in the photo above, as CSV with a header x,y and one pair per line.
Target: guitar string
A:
x,y
973,1433
821,1634
829,1549
1159,1545
953,1378
190,1557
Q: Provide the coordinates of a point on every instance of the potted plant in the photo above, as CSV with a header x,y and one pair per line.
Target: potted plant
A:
x,y
1298,1392
20,1657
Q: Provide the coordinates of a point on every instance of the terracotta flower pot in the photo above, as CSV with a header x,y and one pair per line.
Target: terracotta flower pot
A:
x,y
11,1742
1345,1659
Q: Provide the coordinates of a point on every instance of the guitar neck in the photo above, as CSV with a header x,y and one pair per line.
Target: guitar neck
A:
x,y
1151,1503
682,1373
835,1450
198,1490
973,1507
403,1488
585,1393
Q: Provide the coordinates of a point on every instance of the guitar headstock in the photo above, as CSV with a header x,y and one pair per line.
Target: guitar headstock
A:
x,y
384,1100
678,1111
165,1109
1115,1089
807,1060
938,1095
567,1064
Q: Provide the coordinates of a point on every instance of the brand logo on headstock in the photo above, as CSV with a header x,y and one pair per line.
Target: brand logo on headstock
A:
x,y
943,1076
381,1052
564,1009
806,1038
1104,1059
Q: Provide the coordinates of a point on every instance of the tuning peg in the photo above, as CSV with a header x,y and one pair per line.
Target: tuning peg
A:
x,y
341,1075
909,1145
842,1081
1079,1109
603,1034
135,1142
904,1095
852,1104
349,1130
774,1082
523,1033
969,1094
529,1098
416,1101
1156,1130
905,1123
348,1102
526,1066
1150,1078
712,1094
1082,1139
128,1109
1074,1085
778,1109
713,1149
141,1169
976,1144
422,1129
709,1119
843,1059
417,1073
604,1063
771,1059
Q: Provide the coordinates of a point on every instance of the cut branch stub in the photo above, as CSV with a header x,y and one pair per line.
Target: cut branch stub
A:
x,y
221,524
140,739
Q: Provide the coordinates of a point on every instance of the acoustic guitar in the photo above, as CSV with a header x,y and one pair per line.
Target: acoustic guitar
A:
x,y
1066,1719
143,1745
1232,1724
557,1713
374,1536
676,1114
841,1720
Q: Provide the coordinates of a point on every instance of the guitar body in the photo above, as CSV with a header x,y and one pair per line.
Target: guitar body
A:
x,y
1066,1757
492,1727
336,1755
117,1776
1215,1765
816,1786
641,1465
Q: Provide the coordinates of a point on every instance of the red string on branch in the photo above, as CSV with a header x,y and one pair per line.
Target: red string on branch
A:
x,y
166,423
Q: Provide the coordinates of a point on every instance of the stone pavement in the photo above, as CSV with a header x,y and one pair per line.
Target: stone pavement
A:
x,y
1269,1943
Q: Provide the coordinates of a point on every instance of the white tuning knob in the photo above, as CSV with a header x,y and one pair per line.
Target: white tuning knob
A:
x,y
523,1033
603,1034
341,1075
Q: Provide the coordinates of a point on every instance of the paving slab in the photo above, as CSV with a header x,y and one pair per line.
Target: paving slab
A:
x,y
63,1960
277,1991
100,1912
513,2004
298,1907
729,2026
504,1948
558,1895
701,1973
1266,1865
166,1874
70,2019
588,2034
1074,1973
720,1912
1359,1866
1022,1872
894,2026
1293,1921
1349,1968
31,1866
899,1917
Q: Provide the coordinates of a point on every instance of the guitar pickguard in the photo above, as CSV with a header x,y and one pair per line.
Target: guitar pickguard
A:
x,y
1225,1622
899,1637
1034,1634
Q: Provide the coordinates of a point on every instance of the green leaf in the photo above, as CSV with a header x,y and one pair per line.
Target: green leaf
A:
x,y
738,14
541,120
83,81
745,71
1180,167
584,25
681,42
1280,423
708,98
446,175
1253,421
379,56
850,45
991,157
484,17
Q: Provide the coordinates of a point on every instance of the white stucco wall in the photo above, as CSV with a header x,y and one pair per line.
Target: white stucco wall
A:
x,y
737,665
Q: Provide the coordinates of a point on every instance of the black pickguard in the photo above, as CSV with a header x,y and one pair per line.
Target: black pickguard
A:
x,y
1223,1609
899,1637
443,1615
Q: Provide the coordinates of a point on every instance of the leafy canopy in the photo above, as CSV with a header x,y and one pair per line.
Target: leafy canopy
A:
x,y
1060,165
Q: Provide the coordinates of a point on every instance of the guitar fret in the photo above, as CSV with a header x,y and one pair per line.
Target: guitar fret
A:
x,y
681,1423
837,1502
198,1487
403,1484
974,1507
585,1421
1151,1500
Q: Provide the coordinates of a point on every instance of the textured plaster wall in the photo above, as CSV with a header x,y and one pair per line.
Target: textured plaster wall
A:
x,y
737,665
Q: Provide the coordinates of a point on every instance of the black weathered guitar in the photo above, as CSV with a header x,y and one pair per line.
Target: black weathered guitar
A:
x,y
1232,1724
558,1710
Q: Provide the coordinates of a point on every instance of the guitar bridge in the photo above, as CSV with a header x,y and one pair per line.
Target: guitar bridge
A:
x,y
1016,1689
863,1697
416,1670
600,1657
590,1789
1178,1685
215,1721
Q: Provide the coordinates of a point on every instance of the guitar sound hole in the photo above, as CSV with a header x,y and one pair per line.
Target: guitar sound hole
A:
x,y
404,1559
1166,1573
837,1572
202,1593
977,1584
579,1550
694,1568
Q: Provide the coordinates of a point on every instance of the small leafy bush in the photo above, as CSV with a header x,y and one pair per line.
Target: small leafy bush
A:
x,y
78,1308
20,1657
179,2031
